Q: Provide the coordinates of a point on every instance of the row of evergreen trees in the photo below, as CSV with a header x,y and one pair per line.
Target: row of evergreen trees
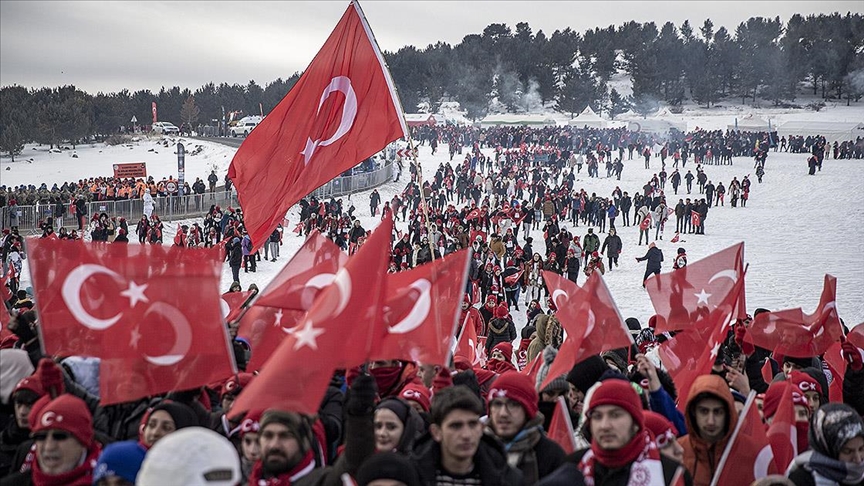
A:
x,y
516,71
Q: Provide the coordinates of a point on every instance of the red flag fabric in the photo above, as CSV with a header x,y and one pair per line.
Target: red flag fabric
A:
x,y
265,328
782,433
561,427
470,346
232,304
646,222
533,367
473,214
120,303
856,336
684,355
5,291
685,297
511,279
301,279
337,332
675,238
695,218
343,109
590,318
837,366
748,455
790,332
421,310
767,371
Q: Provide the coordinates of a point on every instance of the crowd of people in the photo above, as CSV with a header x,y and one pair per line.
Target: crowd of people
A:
x,y
460,423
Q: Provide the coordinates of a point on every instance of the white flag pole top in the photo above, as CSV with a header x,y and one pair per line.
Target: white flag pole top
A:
x,y
393,95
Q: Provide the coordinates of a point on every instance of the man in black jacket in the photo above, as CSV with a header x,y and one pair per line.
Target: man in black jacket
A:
x,y
455,451
654,257
515,421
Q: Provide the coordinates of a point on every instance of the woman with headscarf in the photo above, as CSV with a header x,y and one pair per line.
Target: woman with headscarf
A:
x,y
166,417
397,426
836,456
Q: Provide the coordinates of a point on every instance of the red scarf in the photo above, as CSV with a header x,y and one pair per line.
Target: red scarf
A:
x,y
499,366
80,476
285,479
641,451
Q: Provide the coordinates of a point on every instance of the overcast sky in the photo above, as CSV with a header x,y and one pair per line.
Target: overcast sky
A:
x,y
107,46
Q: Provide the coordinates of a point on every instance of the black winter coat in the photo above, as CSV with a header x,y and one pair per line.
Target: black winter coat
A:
x,y
612,246
489,461
654,257
569,473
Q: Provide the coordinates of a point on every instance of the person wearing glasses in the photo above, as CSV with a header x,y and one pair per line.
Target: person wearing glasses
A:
x,y
514,420
62,430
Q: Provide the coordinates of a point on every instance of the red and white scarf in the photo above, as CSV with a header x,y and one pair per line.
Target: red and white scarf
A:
x,y
641,452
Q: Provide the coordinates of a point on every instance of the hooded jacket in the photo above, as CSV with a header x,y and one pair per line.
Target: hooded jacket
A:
x,y
700,457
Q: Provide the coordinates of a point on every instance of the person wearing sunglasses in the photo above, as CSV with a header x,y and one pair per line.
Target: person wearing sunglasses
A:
x,y
62,430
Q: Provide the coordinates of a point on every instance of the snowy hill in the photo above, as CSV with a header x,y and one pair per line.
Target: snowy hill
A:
x,y
796,227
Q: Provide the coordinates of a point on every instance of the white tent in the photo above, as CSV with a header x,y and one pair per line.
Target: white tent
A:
x,y
751,123
588,119
653,125
517,119
832,131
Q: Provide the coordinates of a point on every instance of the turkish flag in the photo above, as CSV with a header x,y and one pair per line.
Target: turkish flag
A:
x,y
473,214
856,336
695,218
466,346
837,365
421,310
304,276
590,318
748,454
684,355
561,427
675,238
5,291
513,278
686,296
782,433
342,110
533,367
646,222
121,303
337,332
264,328
790,332
232,304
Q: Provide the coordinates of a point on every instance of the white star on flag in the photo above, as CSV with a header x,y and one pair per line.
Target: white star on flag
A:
x,y
306,336
278,316
135,293
715,350
703,297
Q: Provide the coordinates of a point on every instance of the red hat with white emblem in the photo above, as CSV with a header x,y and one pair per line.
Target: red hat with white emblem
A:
x,y
516,387
67,413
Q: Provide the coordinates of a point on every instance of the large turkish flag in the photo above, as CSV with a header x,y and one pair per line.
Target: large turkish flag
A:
x,y
343,109
123,304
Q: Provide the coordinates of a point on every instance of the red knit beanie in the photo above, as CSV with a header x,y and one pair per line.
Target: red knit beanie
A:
x,y
501,311
516,387
30,383
658,424
619,393
506,349
67,413
774,395
417,393
805,382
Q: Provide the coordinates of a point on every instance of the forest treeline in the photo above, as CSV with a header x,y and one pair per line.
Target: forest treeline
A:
x,y
504,69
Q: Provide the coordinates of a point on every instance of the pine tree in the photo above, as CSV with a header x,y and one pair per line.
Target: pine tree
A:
x,y
189,113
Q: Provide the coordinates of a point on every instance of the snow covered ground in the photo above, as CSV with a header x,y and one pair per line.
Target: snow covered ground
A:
x,y
796,227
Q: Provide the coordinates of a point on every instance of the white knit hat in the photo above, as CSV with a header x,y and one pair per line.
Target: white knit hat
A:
x,y
193,456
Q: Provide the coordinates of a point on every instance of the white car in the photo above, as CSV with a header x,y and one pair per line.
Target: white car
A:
x,y
166,128
243,129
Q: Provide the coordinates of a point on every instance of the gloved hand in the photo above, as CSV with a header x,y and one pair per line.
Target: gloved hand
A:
x,y
852,355
360,398
740,333
51,377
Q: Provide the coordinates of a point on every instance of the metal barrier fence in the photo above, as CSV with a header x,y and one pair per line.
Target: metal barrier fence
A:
x,y
171,208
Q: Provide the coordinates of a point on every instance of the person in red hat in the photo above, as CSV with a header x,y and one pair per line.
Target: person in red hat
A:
x,y
501,358
500,329
230,389
665,435
514,420
418,396
622,449
65,452
470,316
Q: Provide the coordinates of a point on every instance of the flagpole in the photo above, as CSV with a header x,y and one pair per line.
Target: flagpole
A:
x,y
731,441
405,129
